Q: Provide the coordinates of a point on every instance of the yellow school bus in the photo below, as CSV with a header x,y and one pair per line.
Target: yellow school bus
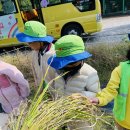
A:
x,y
61,17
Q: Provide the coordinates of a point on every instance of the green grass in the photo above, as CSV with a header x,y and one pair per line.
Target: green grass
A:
x,y
106,57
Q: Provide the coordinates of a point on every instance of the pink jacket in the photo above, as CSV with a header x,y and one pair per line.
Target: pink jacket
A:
x,y
13,87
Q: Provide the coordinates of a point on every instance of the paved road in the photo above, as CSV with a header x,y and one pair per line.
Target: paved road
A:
x,y
114,30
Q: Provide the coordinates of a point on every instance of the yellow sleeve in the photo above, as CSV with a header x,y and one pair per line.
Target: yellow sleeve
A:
x,y
111,90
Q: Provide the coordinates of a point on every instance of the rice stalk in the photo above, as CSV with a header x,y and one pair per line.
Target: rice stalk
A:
x,y
52,115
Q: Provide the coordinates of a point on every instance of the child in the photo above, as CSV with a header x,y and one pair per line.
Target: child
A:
x,y
118,89
13,87
80,77
35,35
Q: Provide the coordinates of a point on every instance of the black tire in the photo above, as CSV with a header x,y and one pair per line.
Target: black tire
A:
x,y
74,29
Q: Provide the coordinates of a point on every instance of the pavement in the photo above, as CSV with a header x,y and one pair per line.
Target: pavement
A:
x,y
116,21
115,29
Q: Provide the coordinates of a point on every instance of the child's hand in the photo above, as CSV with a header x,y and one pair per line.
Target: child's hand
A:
x,y
94,101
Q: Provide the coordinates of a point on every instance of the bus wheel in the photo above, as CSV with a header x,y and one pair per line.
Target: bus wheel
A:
x,y
73,29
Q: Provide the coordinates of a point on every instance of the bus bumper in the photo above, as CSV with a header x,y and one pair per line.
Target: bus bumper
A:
x,y
99,26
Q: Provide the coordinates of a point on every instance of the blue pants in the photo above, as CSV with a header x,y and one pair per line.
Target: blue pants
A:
x,y
109,106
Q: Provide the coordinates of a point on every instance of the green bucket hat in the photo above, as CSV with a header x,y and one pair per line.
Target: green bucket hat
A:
x,y
34,31
69,49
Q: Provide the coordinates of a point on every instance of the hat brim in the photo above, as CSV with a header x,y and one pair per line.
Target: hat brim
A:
x,y
26,38
60,62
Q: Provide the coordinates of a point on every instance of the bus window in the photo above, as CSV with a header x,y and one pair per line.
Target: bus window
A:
x,y
27,10
45,3
85,5
25,5
54,2
8,7
66,1
82,5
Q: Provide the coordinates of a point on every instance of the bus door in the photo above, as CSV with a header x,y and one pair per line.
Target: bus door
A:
x,y
10,22
30,10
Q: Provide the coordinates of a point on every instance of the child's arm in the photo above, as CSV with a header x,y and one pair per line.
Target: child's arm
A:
x,y
34,59
110,92
23,85
17,77
92,85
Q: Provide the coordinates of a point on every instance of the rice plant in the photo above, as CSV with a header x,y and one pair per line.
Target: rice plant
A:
x,y
52,115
